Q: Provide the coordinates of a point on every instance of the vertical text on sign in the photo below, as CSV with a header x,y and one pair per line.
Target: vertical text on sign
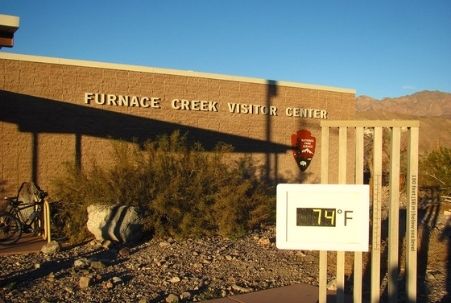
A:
x,y
413,213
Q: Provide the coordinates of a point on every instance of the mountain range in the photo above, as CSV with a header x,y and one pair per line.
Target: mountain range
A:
x,y
424,103
431,108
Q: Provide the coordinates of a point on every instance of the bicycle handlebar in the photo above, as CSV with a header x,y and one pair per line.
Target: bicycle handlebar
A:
x,y
14,201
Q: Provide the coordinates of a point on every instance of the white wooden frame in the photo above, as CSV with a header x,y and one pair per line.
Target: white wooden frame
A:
x,y
376,126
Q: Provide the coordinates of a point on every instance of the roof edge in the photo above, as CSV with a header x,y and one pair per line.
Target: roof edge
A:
x,y
137,68
9,22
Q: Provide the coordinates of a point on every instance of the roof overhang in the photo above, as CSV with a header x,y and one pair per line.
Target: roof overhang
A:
x,y
8,26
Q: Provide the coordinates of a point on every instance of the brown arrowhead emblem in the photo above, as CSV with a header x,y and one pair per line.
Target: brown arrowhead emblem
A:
x,y
303,144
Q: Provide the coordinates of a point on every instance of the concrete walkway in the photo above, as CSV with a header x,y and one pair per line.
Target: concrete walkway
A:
x,y
26,244
297,293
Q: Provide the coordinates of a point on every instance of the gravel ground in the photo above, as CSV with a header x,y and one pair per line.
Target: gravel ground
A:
x,y
156,271
168,270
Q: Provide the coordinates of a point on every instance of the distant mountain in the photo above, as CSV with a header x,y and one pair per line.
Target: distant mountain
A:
x,y
424,103
434,131
431,109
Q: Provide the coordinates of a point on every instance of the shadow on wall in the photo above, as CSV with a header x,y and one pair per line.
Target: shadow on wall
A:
x,y
39,115
271,160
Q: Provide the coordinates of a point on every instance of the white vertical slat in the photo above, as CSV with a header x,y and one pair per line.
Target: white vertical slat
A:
x,y
358,268
393,216
322,295
411,254
342,157
377,200
412,218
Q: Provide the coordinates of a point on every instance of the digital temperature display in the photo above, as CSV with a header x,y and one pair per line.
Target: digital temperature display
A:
x,y
316,217
331,217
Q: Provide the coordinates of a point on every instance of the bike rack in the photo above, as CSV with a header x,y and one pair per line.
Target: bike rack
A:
x,y
47,232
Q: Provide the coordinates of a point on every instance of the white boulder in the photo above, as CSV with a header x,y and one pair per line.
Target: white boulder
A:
x,y
118,223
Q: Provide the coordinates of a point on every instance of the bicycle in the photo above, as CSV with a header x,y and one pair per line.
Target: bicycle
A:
x,y
22,213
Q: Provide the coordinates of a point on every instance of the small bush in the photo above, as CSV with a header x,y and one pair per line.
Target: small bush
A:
x,y
435,169
182,190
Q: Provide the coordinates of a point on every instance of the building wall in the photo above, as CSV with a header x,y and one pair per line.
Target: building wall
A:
x,y
48,115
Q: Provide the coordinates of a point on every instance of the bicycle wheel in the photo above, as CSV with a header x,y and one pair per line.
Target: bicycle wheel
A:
x,y
10,229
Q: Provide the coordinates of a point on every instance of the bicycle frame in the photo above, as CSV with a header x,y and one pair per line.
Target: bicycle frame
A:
x,y
16,210
30,210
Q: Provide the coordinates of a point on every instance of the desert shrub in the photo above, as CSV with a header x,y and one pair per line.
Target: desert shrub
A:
x,y
182,190
435,169
245,201
71,189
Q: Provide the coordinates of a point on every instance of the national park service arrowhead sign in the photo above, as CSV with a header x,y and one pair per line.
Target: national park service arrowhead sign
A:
x,y
303,145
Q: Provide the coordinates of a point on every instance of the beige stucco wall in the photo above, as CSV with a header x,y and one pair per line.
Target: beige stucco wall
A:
x,y
45,121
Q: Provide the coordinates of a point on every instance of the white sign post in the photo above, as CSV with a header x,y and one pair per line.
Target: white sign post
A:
x,y
322,217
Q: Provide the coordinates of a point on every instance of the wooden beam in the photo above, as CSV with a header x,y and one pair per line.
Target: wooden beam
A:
x,y
393,216
377,204
322,291
358,260
342,157
412,215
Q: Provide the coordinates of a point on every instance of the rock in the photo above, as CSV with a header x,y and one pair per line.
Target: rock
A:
x,y
85,272
117,280
81,263
85,282
301,253
175,280
124,252
118,223
185,295
264,241
97,264
240,289
332,285
51,248
108,285
163,244
198,266
172,298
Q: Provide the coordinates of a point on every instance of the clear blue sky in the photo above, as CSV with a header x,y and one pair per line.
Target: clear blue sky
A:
x,y
381,48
